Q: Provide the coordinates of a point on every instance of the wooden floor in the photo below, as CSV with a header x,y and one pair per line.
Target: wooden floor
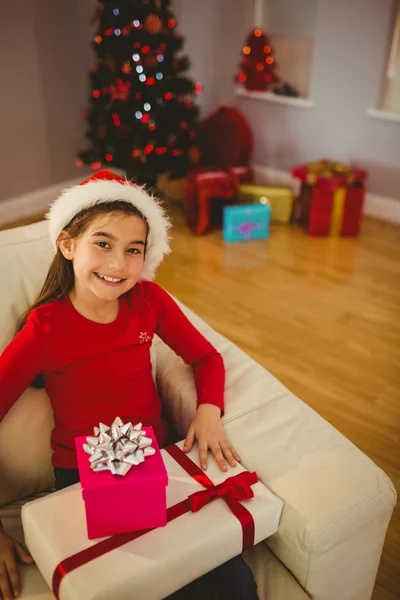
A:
x,y
322,315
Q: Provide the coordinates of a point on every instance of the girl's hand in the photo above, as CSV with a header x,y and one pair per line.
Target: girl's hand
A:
x,y
209,432
10,552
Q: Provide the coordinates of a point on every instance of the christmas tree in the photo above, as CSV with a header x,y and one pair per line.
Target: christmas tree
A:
x,y
142,115
257,69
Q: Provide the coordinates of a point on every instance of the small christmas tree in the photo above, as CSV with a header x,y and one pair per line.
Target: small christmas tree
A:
x,y
141,117
257,69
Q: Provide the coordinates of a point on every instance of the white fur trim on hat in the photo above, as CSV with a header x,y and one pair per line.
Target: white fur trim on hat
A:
x,y
78,197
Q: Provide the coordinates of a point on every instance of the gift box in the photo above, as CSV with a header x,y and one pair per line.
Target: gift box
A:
x,y
281,199
244,173
211,516
331,199
208,192
246,222
119,503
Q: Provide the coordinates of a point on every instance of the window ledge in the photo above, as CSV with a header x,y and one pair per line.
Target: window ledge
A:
x,y
383,115
271,97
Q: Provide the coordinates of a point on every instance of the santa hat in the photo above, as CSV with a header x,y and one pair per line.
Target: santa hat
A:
x,y
105,186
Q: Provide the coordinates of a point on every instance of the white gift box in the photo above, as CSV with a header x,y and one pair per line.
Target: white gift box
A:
x,y
158,562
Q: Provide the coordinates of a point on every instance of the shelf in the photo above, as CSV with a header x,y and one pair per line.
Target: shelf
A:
x,y
384,115
271,97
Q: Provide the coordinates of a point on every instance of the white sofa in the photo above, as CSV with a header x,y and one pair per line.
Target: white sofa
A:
x,y
337,502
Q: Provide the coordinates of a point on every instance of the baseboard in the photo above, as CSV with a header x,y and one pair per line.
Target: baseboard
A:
x,y
36,202
33,203
379,207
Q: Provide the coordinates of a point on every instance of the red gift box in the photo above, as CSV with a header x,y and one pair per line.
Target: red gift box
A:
x,y
209,190
331,200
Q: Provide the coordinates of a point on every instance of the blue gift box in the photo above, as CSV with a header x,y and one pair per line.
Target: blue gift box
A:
x,y
245,222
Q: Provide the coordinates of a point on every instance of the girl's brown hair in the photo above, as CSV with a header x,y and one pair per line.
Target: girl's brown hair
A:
x,y
60,277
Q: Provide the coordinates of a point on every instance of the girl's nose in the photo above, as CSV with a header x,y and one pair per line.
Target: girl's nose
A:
x,y
117,263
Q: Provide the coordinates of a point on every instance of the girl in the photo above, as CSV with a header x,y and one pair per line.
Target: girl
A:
x,y
88,334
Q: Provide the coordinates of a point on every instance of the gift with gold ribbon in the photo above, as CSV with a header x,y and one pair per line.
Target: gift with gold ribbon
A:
x,y
331,199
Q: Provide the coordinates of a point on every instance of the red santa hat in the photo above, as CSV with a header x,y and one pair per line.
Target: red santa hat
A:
x,y
105,186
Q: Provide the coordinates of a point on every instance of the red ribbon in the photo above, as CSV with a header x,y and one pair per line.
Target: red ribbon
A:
x,y
231,491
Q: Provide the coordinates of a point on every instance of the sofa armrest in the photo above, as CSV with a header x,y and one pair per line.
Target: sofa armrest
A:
x,y
337,502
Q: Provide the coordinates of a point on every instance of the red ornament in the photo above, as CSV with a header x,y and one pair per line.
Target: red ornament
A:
x,y
138,96
120,91
126,30
146,49
98,39
135,153
109,32
145,119
96,94
150,81
198,88
161,150
116,119
152,126
126,68
183,125
108,157
148,149
168,96
176,152
153,24
171,23
95,165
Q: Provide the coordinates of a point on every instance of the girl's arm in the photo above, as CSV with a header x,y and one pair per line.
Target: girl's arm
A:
x,y
175,329
21,361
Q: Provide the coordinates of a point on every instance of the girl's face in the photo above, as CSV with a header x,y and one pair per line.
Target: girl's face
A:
x,y
108,257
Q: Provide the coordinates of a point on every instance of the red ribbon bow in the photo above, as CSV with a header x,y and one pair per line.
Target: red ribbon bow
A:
x,y
235,488
231,491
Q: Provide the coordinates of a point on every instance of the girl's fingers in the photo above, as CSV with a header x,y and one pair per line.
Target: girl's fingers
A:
x,y
188,445
229,455
23,554
219,457
203,450
5,589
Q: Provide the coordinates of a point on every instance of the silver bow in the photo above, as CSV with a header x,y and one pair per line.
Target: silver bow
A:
x,y
118,448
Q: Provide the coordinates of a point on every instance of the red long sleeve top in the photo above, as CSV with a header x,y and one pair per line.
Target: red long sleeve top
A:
x,y
94,372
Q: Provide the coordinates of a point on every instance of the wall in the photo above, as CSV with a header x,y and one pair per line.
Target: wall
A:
x,y
351,45
45,50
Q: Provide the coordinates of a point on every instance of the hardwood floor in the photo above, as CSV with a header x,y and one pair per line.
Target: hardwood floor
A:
x,y
322,315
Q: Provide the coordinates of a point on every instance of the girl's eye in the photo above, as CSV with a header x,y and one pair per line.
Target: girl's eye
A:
x,y
134,251
102,244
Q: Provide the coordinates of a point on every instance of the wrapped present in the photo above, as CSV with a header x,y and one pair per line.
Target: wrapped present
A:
x,y
246,222
211,517
281,199
244,173
172,189
123,479
331,199
209,190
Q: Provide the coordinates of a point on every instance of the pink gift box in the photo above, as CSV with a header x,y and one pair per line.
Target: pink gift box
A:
x,y
119,504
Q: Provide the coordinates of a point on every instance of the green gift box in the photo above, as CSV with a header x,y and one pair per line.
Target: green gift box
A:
x,y
281,199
